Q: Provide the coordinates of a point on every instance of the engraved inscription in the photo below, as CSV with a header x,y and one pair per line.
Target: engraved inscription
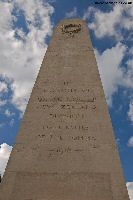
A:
x,y
82,138
61,151
77,127
61,137
65,98
71,116
66,101
69,90
71,127
77,106
66,83
67,106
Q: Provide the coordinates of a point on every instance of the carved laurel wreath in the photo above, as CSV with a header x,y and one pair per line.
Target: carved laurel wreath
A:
x,y
76,29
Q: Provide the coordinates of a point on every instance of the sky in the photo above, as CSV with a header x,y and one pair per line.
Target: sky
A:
x,y
26,28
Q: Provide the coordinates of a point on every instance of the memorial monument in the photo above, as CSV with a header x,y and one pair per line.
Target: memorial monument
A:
x,y
66,148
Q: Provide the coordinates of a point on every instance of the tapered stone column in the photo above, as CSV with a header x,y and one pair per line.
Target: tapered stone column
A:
x,y
66,148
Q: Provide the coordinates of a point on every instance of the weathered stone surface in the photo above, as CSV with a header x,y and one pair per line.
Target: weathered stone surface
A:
x,y
66,148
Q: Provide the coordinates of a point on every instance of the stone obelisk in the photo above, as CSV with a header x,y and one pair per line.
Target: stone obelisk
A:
x,y
66,148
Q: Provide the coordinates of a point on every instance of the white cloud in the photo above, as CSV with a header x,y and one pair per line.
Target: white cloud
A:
x,y
130,112
21,114
12,122
73,13
51,1
111,72
110,23
130,189
130,64
8,113
131,51
3,87
118,141
3,102
21,57
1,125
5,151
130,142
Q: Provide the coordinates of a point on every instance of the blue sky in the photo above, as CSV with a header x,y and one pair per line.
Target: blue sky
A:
x,y
26,28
